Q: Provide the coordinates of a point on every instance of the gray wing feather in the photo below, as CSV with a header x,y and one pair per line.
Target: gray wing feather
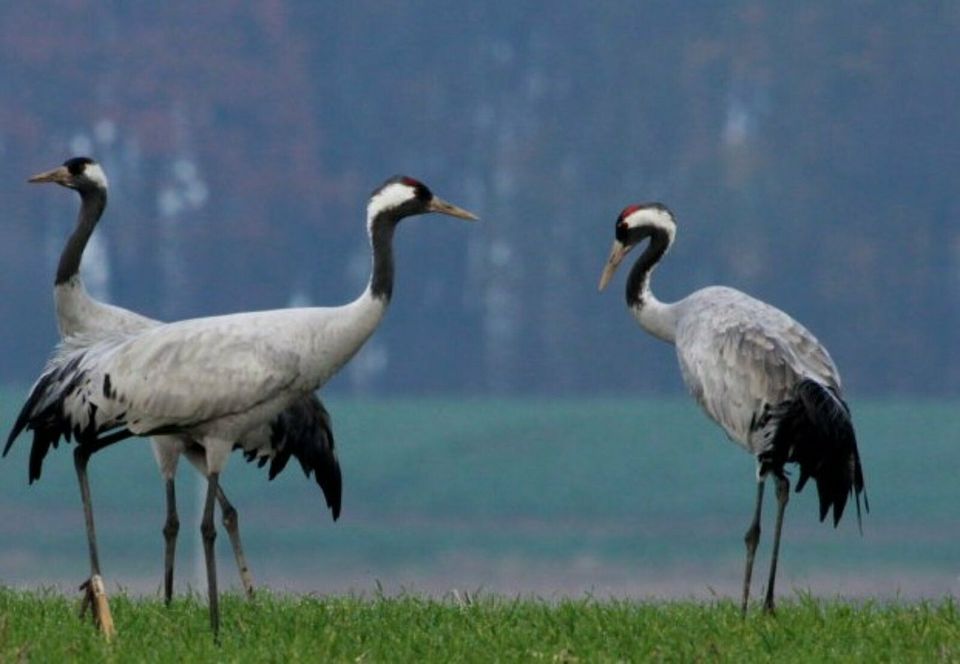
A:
x,y
738,355
174,376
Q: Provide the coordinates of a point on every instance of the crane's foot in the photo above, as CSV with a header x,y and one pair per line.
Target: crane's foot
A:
x,y
95,598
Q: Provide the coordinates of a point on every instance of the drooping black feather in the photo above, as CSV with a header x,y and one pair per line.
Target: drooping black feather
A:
x,y
304,431
44,414
23,418
46,421
815,431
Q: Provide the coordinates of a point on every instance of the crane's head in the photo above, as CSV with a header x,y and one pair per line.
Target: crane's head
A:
x,y
402,196
80,173
635,224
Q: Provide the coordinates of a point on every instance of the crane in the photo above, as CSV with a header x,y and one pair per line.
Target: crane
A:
x,y
215,379
304,430
757,372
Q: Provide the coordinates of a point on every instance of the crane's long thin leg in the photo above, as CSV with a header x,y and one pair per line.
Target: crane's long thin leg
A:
x,y
80,458
95,596
231,523
751,538
783,496
170,529
81,455
209,533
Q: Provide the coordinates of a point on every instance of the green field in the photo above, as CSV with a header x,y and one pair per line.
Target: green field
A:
x,y
611,497
44,627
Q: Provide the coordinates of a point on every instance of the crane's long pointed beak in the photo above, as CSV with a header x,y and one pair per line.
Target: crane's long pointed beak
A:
x,y
617,252
58,174
441,206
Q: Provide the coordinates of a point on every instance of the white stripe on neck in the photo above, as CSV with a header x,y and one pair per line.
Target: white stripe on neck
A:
x,y
393,195
94,173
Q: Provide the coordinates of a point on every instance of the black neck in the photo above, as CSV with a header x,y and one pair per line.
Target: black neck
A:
x,y
93,202
381,240
640,273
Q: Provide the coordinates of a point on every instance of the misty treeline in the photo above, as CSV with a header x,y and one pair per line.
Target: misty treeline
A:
x,y
810,152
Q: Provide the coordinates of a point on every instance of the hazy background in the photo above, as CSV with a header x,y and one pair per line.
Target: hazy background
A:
x,y
810,152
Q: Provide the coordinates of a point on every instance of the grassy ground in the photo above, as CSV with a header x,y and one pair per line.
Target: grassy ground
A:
x,y
43,627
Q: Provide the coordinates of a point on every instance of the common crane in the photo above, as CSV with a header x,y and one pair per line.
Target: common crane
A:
x,y
756,372
303,430
215,379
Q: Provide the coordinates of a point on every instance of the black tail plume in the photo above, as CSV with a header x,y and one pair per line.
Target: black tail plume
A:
x,y
22,420
42,415
815,431
304,431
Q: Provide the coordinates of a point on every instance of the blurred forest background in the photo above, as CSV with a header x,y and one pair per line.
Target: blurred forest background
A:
x,y
810,151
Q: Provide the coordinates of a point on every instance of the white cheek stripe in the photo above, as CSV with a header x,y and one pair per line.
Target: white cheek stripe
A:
x,y
391,196
654,217
96,174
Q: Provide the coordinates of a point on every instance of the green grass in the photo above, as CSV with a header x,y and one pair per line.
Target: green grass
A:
x,y
42,626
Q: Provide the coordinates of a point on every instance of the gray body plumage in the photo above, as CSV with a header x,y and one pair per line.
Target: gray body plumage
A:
x,y
740,357
171,377
83,320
